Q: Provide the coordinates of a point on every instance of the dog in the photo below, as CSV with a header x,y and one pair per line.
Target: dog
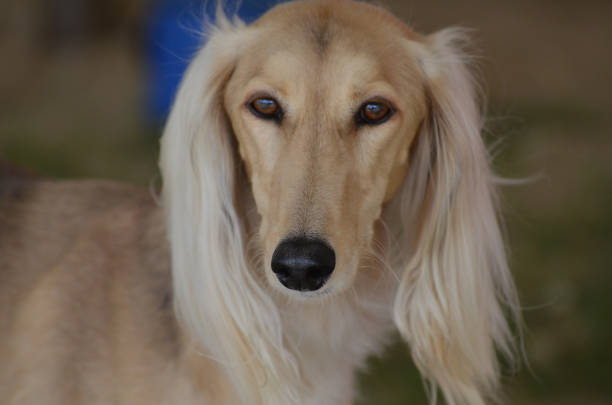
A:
x,y
324,184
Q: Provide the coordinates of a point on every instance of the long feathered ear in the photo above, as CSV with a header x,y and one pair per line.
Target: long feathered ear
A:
x,y
456,288
216,295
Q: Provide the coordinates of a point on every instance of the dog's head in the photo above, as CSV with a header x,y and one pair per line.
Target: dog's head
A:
x,y
343,119
324,105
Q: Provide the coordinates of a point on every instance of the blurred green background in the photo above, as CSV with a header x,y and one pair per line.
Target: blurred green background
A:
x,y
72,105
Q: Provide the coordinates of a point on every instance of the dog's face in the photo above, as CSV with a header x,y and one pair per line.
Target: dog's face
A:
x,y
322,102
324,111
341,116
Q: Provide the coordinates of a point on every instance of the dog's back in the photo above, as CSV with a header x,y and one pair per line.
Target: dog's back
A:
x,y
84,291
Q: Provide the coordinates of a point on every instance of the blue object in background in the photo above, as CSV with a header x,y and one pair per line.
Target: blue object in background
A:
x,y
173,37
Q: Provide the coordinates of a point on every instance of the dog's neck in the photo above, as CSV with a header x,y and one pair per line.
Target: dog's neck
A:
x,y
332,339
335,337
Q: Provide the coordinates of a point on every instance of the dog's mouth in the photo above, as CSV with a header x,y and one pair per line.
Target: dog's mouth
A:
x,y
303,264
302,284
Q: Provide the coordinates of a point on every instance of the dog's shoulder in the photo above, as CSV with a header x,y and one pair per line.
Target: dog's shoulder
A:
x,y
84,266
70,234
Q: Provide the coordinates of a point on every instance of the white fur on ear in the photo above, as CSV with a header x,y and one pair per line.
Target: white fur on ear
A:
x,y
456,289
217,298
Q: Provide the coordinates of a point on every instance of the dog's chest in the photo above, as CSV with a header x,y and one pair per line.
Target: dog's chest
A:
x,y
333,340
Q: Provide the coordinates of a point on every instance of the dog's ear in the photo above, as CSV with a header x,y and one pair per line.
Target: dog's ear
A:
x,y
217,298
456,287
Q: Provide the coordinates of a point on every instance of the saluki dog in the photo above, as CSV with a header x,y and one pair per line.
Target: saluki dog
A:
x,y
324,184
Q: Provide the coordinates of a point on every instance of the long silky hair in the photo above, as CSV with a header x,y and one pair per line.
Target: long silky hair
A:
x,y
215,294
448,246
456,289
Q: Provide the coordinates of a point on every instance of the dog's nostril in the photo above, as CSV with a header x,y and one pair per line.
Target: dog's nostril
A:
x,y
303,264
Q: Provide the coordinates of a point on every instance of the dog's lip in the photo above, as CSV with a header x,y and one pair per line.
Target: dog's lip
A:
x,y
284,280
325,289
312,294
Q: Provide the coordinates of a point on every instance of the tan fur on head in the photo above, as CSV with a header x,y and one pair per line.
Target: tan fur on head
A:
x,y
317,173
408,205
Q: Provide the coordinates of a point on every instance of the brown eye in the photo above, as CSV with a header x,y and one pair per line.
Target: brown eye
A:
x,y
266,108
374,112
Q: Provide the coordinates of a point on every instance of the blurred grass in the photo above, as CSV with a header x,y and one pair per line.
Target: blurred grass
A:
x,y
561,236
132,159
77,114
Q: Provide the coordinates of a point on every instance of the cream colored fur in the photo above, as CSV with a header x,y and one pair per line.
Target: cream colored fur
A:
x,y
409,206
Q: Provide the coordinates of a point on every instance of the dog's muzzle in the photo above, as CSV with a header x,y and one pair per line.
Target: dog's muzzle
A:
x,y
303,264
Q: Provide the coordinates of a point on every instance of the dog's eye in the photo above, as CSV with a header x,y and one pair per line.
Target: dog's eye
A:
x,y
374,112
266,108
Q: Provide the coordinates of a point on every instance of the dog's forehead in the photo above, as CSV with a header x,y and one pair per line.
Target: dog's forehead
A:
x,y
290,71
321,25
318,15
333,44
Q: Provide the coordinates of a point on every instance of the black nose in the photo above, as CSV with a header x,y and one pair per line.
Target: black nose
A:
x,y
303,264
